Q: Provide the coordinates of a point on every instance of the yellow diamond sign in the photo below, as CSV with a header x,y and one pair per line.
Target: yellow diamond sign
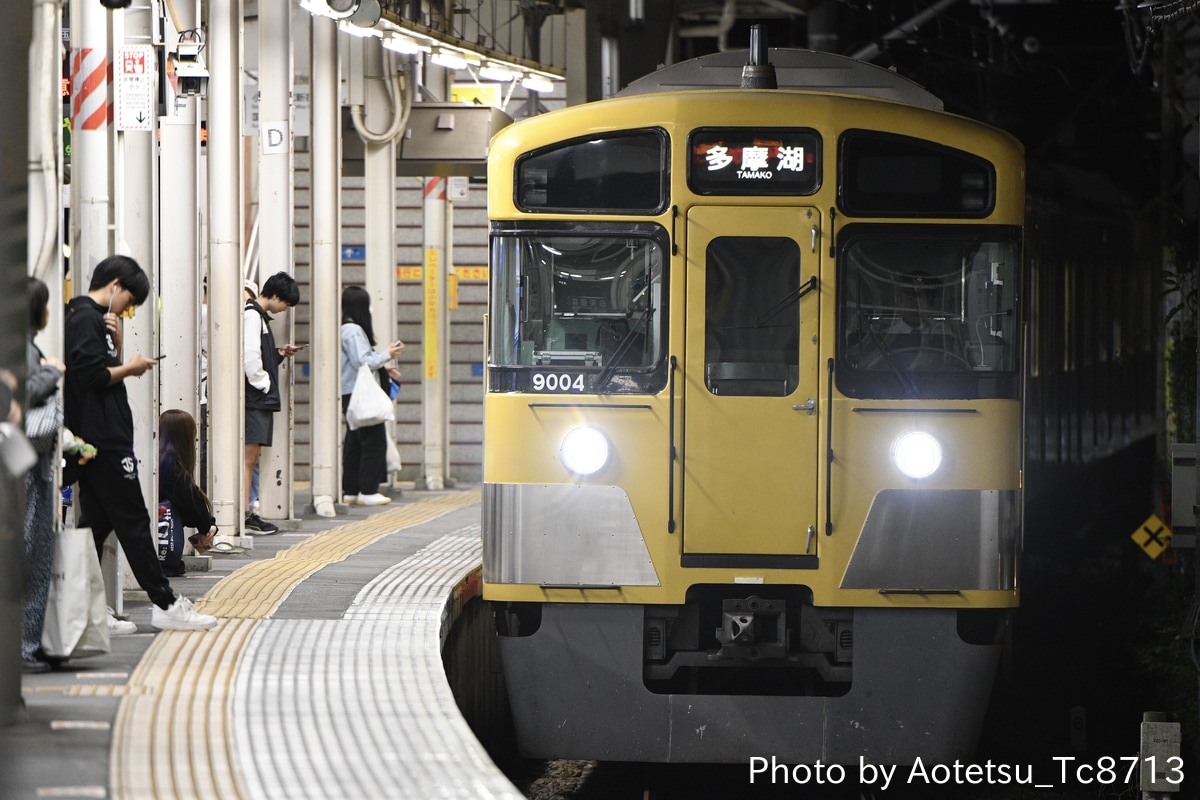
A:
x,y
1154,536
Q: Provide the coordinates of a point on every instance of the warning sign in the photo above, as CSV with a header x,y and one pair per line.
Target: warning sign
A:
x,y
134,87
1154,536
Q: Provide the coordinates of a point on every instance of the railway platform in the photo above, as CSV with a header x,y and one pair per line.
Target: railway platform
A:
x,y
323,679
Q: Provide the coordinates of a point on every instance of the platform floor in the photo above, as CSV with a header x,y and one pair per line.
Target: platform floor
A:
x,y
323,679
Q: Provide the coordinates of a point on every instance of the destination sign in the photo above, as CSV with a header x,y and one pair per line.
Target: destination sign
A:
x,y
784,161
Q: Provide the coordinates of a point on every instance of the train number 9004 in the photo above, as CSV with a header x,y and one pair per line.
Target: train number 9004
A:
x,y
556,382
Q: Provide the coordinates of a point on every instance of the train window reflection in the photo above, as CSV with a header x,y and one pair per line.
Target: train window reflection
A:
x,y
752,319
928,311
587,310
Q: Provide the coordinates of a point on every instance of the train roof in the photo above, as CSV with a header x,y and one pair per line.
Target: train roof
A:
x,y
808,70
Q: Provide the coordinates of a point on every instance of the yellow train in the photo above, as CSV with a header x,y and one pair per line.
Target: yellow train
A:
x,y
752,453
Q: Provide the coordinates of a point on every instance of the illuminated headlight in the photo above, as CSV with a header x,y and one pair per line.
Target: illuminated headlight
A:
x,y
584,450
917,454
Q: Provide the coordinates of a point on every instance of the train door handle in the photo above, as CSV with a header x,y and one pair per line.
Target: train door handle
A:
x,y
809,408
812,531
814,238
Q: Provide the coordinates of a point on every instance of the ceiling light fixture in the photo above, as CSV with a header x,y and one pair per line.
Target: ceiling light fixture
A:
x,y
448,59
536,83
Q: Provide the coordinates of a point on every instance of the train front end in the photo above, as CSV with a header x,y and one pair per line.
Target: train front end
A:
x,y
752,426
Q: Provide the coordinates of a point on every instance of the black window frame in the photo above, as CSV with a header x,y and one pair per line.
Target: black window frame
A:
x,y
928,385
663,172
646,380
907,205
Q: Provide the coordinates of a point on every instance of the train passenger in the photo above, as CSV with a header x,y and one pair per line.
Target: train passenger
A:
x,y
364,451
261,358
97,409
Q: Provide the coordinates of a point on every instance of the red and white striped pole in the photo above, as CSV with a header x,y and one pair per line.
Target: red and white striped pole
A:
x,y
91,78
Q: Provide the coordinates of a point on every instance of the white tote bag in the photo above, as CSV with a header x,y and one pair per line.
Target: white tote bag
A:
x,y
369,403
77,611
393,455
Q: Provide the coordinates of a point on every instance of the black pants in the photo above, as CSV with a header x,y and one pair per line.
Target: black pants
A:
x,y
110,500
364,457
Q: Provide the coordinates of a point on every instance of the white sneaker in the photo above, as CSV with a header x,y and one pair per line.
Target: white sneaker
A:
x,y
181,617
349,499
373,499
119,627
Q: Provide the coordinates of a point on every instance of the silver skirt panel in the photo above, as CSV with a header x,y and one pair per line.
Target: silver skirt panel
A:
x,y
948,540
563,535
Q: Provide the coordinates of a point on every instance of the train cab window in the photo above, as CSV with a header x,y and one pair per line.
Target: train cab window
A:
x,y
614,173
578,309
752,317
898,176
928,311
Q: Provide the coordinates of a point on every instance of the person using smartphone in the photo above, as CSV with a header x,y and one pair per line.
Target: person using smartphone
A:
x,y
96,408
364,451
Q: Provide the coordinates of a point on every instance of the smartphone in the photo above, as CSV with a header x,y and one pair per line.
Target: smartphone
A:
x,y
300,346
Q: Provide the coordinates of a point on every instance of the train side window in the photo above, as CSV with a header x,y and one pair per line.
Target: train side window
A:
x,y
752,341
886,175
622,172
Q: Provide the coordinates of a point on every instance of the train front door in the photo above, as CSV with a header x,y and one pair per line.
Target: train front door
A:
x,y
750,461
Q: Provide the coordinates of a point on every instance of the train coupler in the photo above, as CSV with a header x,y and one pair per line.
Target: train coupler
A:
x,y
752,628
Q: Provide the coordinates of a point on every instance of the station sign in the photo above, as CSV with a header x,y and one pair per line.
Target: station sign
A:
x,y
134,87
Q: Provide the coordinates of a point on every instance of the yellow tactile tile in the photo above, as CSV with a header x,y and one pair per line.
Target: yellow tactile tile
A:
x,y
172,739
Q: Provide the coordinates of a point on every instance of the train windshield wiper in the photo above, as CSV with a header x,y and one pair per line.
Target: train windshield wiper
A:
x,y
610,365
890,358
791,297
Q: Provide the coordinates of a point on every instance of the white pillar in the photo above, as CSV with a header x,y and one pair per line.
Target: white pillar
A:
x,y
226,376
276,222
91,239
379,165
45,176
135,193
434,334
435,361
325,383
179,211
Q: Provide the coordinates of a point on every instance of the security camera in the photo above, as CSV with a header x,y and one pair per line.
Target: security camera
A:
x,y
342,9
192,75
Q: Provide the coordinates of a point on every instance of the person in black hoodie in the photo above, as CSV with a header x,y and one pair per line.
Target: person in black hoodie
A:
x,y
96,408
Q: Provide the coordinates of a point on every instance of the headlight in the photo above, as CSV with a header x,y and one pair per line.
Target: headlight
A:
x,y
584,450
917,454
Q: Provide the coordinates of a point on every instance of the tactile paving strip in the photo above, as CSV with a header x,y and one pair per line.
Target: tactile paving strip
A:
x,y
178,733
356,707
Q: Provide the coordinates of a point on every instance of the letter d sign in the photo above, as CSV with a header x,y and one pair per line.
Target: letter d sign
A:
x,y
274,136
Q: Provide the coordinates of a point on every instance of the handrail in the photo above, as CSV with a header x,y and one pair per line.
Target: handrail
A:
x,y
672,456
829,454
